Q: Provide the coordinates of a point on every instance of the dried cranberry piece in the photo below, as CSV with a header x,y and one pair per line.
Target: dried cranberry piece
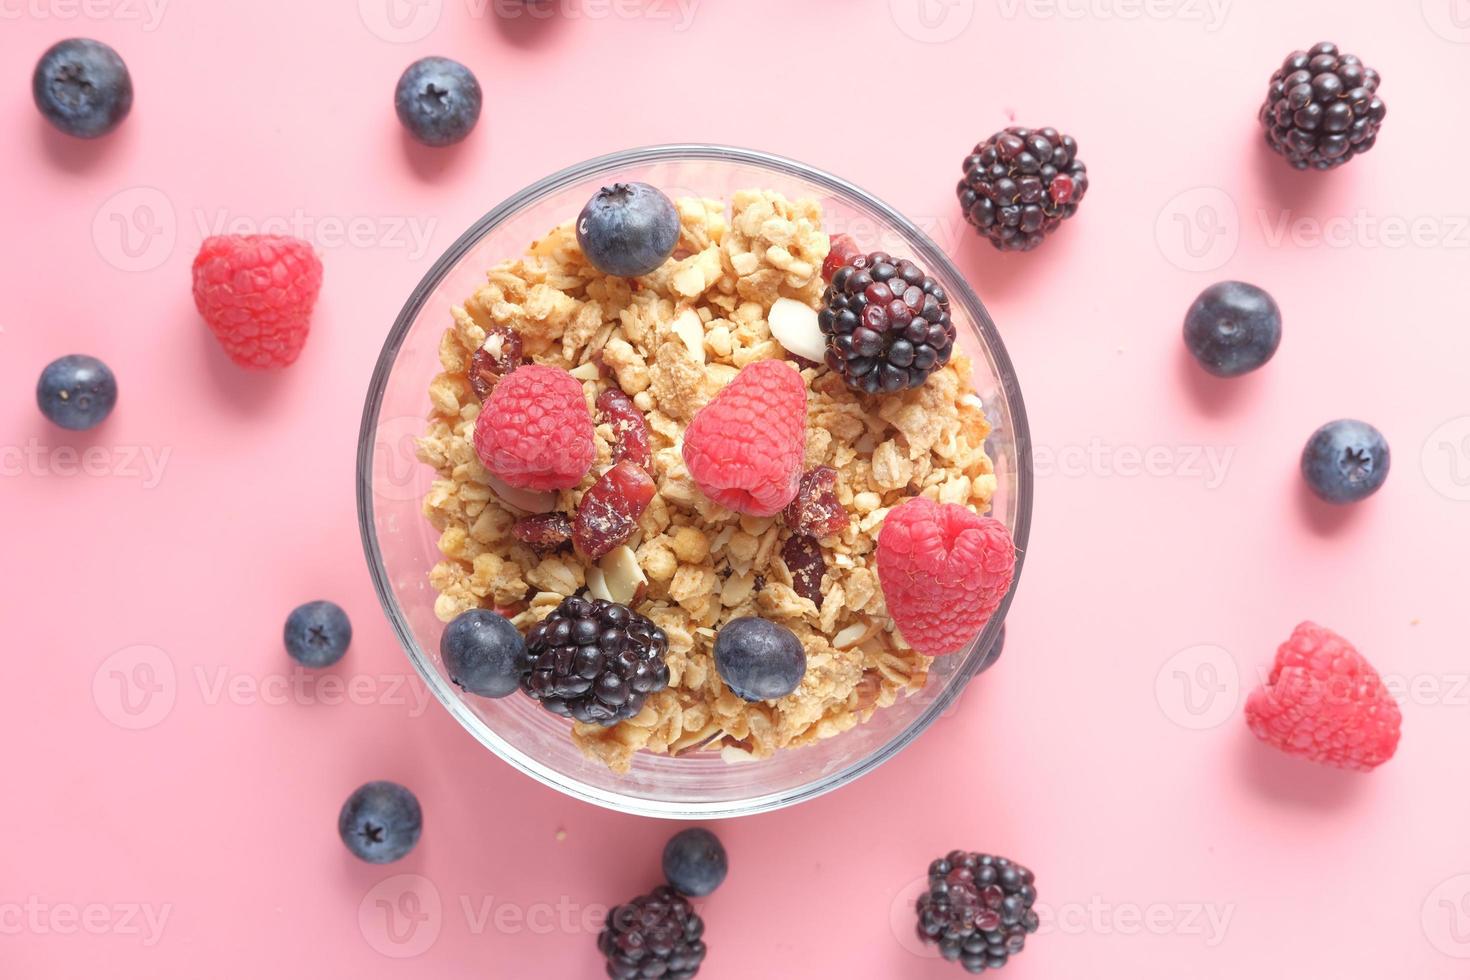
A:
x,y
815,509
543,532
609,511
498,356
803,557
842,251
628,425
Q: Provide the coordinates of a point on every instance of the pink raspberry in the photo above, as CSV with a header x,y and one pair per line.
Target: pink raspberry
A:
x,y
944,570
1325,703
257,292
744,449
534,431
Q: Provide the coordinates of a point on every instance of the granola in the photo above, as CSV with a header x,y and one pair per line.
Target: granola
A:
x,y
671,340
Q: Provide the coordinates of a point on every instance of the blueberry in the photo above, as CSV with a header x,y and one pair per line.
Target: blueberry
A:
x,y
1232,328
1345,461
76,392
82,87
438,101
317,633
628,229
484,653
380,822
695,862
759,660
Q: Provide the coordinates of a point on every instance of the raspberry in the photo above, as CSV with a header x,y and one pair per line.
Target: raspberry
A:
x,y
944,570
256,292
1325,703
744,449
534,431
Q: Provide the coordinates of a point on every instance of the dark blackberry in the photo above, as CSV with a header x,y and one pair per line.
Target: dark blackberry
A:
x,y
1323,108
595,661
977,909
887,324
1020,184
655,935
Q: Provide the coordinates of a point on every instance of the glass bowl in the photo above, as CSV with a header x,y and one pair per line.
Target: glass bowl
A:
x,y
401,545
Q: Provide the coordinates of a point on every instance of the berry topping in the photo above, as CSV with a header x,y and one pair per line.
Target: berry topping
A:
x,y
543,532
595,661
744,449
438,101
1325,703
1232,328
1345,461
759,660
257,292
1020,185
498,356
887,324
82,87
842,251
609,511
993,654
944,570
630,429
76,392
628,229
694,862
380,822
803,558
483,653
655,935
1322,108
534,431
978,909
318,633
816,509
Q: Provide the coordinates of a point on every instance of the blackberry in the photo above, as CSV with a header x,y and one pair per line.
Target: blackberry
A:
x,y
595,661
655,935
1020,184
1323,108
977,909
887,324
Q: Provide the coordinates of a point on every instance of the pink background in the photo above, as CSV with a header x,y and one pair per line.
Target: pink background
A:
x,y
163,757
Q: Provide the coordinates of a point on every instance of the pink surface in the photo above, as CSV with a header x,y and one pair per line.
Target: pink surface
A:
x,y
1105,750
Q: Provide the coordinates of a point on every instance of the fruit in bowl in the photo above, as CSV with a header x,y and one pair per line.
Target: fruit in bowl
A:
x,y
648,476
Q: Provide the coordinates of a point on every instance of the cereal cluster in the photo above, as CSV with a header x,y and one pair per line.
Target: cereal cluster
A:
x,y
671,340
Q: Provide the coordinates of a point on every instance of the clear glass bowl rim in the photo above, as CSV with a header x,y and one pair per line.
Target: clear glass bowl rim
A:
x,y
929,255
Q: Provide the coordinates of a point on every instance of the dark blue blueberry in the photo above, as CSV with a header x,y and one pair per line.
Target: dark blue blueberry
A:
x,y
484,653
628,229
380,822
76,391
318,633
82,87
438,101
993,654
695,862
1345,461
759,660
1232,328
